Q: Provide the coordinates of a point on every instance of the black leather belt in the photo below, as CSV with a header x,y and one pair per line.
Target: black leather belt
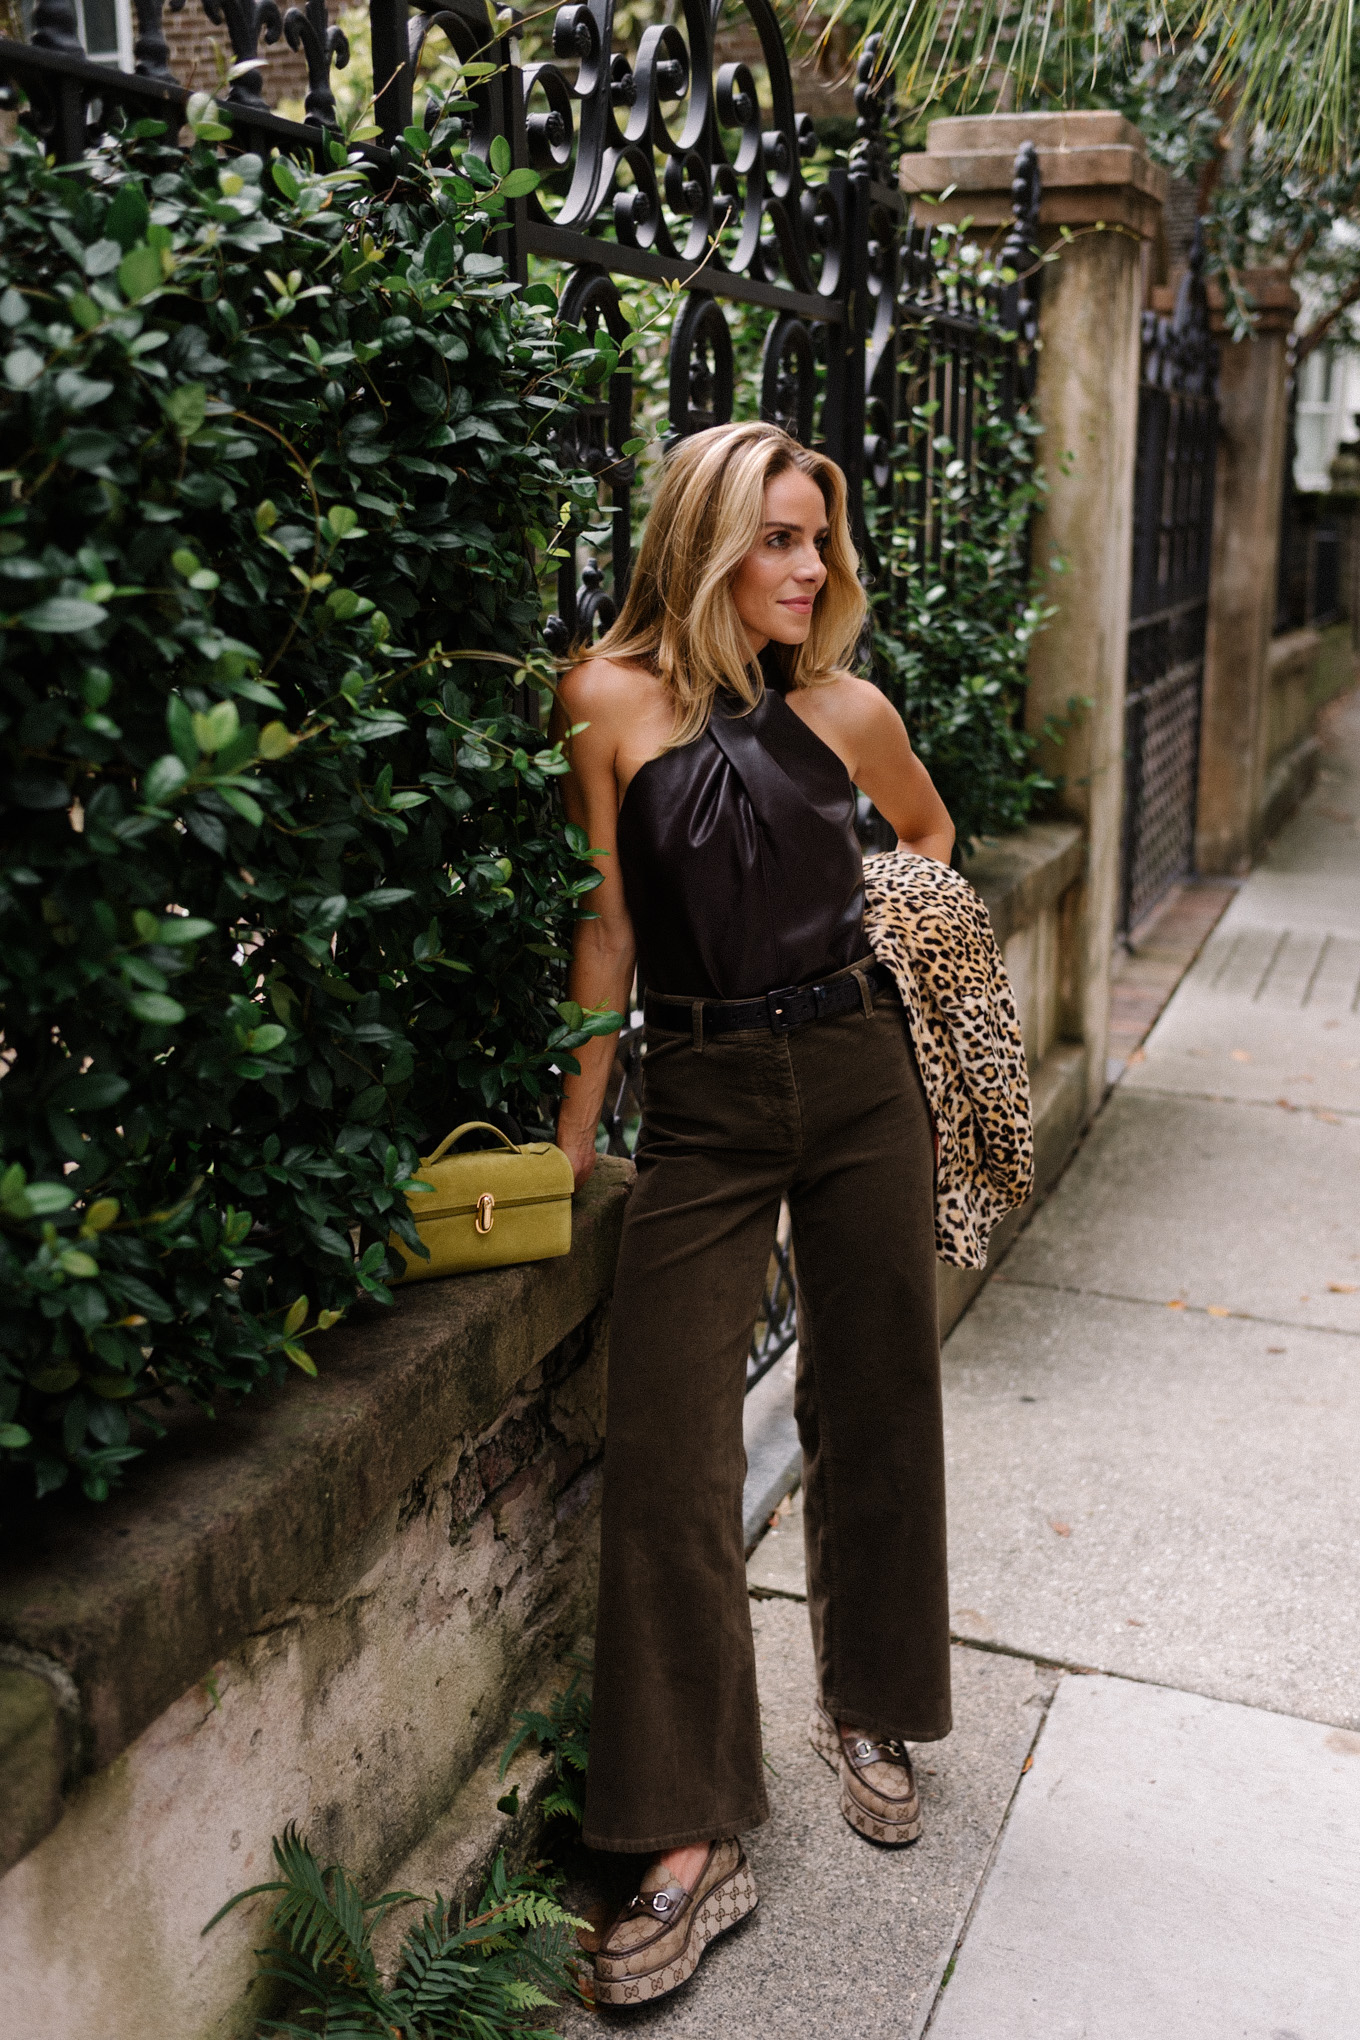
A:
x,y
782,1011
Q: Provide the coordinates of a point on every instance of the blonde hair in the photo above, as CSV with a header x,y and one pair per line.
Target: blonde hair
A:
x,y
679,617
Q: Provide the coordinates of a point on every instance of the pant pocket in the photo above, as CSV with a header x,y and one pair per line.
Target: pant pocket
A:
x,y
738,1093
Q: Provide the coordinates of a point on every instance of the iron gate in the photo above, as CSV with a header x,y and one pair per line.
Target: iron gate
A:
x,y
662,166
1173,514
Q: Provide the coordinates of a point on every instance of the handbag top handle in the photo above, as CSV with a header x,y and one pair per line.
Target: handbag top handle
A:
x,y
468,1126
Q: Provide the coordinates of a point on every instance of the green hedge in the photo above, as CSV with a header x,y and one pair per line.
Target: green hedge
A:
x,y
284,890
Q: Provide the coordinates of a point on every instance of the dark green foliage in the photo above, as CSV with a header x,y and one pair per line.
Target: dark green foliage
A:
x,y
564,1731
456,1978
283,890
954,607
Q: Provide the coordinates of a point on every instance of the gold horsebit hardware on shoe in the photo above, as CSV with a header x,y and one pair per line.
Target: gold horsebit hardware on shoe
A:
x,y
486,1212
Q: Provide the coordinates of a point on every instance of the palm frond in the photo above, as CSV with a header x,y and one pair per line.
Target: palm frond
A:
x,y
1290,65
1285,65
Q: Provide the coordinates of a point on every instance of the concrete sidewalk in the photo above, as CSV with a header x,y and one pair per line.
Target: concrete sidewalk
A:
x,y
1153,1416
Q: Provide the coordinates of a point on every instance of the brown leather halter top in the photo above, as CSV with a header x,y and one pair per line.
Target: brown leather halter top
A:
x,y
739,859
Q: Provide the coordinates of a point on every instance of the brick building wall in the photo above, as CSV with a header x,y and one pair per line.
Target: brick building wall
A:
x,y
197,47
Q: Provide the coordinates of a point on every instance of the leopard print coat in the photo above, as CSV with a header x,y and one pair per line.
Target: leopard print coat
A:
x,y
926,923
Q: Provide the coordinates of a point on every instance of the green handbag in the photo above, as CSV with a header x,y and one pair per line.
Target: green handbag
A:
x,y
490,1206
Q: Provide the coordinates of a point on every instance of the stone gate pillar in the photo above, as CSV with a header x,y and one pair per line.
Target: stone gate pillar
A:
x,y
1253,423
1096,175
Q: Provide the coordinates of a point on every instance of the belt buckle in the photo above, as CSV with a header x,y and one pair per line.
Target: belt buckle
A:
x,y
792,1007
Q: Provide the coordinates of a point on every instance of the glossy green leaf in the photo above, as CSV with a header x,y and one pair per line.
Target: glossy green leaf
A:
x,y
179,929
140,272
157,1009
63,613
89,1093
218,727
187,406
45,1200
163,780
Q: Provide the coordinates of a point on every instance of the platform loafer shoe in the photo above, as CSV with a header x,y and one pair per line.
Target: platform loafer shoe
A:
x,y
658,1941
878,1786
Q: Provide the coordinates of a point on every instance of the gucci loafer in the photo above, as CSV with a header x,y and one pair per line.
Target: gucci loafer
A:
x,y
878,1786
657,1942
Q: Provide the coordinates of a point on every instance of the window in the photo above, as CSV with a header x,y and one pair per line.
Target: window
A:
x,y
104,26
106,31
1328,392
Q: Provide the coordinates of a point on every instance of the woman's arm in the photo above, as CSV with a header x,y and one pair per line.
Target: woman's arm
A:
x,y
899,786
863,728
603,948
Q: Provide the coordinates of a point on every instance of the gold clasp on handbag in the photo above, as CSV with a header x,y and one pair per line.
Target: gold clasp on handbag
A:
x,y
486,1212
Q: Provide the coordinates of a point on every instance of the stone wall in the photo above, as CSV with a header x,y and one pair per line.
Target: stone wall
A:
x,y
1032,884
322,1609
1305,669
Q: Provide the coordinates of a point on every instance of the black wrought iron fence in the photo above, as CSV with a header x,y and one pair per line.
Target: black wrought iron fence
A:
x,y
938,331
659,166
1173,514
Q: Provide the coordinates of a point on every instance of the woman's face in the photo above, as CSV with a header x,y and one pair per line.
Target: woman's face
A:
x,y
777,583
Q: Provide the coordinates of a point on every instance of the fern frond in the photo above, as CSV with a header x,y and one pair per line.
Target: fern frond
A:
x,y
528,1726
239,1898
484,1978
566,1722
320,1911
563,1804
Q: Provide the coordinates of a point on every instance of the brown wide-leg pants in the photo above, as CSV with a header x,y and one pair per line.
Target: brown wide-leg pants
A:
x,y
833,1117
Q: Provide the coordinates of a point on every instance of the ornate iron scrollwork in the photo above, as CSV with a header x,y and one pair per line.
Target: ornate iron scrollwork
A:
x,y
875,114
701,385
322,43
595,437
246,21
788,376
680,158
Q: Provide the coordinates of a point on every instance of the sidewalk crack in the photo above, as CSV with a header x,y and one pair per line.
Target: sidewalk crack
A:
x,y
1252,1317
1327,1113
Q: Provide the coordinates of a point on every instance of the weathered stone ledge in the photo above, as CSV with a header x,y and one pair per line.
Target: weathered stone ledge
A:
x,y
288,1500
1019,876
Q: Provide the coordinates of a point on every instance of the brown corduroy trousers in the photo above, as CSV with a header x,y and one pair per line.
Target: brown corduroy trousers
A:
x,y
832,1117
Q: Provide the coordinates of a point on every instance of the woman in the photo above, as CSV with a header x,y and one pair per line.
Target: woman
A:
x,y
718,744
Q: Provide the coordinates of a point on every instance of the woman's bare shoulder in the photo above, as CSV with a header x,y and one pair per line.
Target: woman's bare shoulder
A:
x,y
602,688
853,705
